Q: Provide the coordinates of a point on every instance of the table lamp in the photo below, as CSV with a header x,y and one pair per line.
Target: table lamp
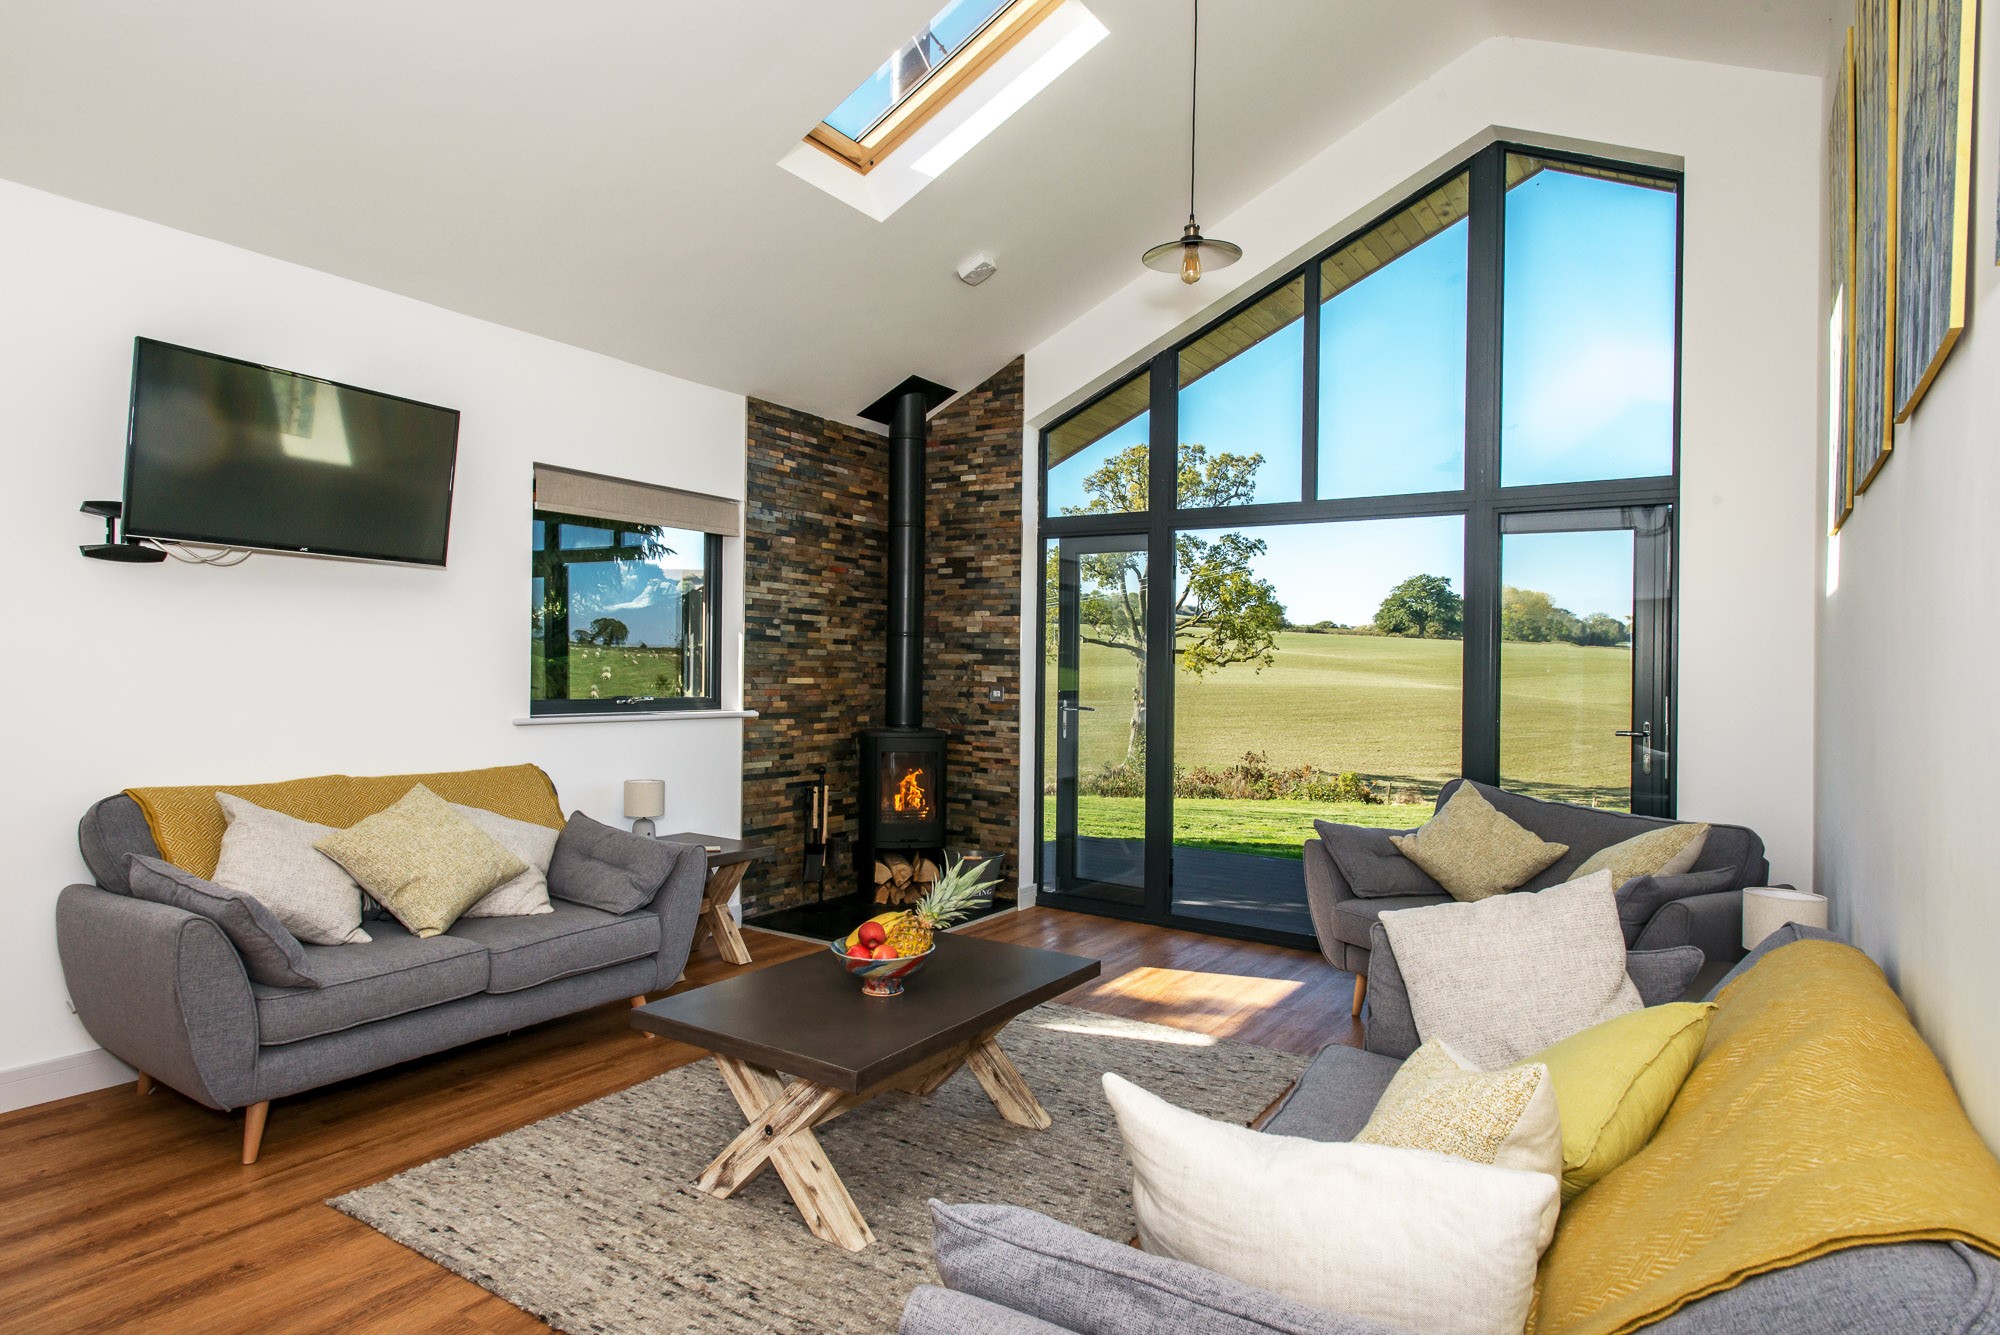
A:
x,y
1766,908
644,800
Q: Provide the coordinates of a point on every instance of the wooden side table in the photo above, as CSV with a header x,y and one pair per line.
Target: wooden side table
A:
x,y
728,859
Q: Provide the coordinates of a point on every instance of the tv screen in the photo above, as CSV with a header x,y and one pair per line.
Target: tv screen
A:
x,y
230,453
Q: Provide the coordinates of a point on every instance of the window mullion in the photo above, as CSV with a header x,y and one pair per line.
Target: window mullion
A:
x,y
1486,241
1309,417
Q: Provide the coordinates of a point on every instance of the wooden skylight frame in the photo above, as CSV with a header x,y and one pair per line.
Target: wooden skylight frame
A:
x,y
1001,35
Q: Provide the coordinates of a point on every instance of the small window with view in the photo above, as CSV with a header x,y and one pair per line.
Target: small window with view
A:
x,y
624,596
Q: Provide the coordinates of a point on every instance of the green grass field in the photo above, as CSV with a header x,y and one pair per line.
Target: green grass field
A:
x,y
597,673
1385,708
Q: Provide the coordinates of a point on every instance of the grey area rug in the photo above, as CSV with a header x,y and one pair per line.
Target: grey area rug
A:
x,y
590,1220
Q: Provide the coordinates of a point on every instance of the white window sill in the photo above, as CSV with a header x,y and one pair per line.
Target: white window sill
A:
x,y
538,720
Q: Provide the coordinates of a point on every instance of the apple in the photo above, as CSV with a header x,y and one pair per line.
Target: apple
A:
x,y
871,934
857,951
885,952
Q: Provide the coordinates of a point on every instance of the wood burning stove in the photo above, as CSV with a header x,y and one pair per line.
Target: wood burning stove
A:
x,y
903,789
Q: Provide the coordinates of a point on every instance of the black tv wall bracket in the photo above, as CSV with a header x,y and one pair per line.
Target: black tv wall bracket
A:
x,y
116,546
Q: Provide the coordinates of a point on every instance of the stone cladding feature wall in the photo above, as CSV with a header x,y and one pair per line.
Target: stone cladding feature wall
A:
x,y
815,623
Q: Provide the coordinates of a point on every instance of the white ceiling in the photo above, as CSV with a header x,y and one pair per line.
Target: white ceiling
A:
x,y
604,172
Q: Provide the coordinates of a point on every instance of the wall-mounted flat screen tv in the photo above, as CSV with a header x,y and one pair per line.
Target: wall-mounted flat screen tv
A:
x,y
229,453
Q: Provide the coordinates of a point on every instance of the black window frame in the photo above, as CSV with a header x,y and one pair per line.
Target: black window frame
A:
x,y
543,563
1481,501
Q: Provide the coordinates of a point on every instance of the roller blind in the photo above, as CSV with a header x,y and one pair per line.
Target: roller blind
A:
x,y
571,491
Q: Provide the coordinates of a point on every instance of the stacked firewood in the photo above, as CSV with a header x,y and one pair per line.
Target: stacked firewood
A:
x,y
903,879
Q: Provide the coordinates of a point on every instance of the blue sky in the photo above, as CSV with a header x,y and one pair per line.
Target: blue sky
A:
x,y
1587,393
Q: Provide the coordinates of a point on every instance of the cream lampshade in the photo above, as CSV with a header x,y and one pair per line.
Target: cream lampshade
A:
x,y
645,799
1766,908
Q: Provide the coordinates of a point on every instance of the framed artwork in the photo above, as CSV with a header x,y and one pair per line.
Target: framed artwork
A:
x,y
1840,286
1874,293
1936,49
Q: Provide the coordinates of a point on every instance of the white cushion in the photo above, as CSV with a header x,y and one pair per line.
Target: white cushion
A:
x,y
1420,1240
1506,977
534,844
270,857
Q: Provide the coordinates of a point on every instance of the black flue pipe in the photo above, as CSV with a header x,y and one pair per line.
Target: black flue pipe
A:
x,y
904,409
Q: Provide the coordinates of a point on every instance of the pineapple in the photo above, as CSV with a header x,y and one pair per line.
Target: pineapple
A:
x,y
957,891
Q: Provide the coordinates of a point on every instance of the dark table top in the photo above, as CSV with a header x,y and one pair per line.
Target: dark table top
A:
x,y
807,1017
731,850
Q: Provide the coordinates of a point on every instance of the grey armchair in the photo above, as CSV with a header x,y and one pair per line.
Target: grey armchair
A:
x,y
1354,875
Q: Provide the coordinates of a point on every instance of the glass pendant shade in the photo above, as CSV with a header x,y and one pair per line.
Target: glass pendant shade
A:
x,y
1192,255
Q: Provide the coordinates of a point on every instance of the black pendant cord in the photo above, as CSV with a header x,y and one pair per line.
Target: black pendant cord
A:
x,y
1194,94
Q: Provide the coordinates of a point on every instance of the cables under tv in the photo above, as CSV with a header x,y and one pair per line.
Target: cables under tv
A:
x,y
221,560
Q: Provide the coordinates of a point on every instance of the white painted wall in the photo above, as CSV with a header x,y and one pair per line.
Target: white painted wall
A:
x,y
126,675
1908,650
1749,141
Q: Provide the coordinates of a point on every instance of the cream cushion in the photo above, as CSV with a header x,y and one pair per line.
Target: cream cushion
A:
x,y
1440,1102
1510,975
270,857
1423,1241
422,861
1474,850
534,844
1669,850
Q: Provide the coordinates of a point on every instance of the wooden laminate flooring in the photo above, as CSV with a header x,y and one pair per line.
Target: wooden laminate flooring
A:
x,y
125,1213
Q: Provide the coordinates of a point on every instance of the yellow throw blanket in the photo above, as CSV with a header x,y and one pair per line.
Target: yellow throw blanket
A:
x,y
187,822
1817,1119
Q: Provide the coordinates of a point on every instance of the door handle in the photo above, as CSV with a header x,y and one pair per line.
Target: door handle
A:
x,y
1645,733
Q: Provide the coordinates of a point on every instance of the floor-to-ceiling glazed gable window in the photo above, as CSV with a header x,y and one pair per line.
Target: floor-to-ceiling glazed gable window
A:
x,y
1405,513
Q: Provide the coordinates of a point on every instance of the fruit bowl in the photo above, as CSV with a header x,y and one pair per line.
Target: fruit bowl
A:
x,y
880,978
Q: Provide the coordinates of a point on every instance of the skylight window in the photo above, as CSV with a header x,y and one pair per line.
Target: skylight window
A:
x,y
905,72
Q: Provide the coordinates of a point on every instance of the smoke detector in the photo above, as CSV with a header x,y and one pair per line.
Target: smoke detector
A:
x,y
976,270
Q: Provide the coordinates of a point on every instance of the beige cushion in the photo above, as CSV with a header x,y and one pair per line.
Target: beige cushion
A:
x,y
1666,851
1438,1101
534,844
270,857
1422,1241
1510,975
423,861
1473,850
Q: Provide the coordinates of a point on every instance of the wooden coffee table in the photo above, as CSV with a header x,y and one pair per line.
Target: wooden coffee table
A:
x,y
837,1049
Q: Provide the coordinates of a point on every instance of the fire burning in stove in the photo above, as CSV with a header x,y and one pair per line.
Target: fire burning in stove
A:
x,y
910,799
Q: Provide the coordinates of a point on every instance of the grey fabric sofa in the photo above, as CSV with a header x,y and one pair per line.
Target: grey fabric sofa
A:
x,y
1348,889
164,991
1012,1271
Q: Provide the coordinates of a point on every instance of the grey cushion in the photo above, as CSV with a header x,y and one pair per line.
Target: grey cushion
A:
x,y
608,868
1372,866
1911,1288
1353,919
1391,1030
271,954
931,1310
1080,1282
532,949
1643,896
1335,1094
109,832
1663,975
394,973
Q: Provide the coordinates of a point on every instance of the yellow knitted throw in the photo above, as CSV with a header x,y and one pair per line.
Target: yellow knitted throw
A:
x,y
1817,1119
187,822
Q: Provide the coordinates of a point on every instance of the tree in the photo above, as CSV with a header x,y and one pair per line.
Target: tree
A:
x,y
1423,606
1599,628
1223,614
608,632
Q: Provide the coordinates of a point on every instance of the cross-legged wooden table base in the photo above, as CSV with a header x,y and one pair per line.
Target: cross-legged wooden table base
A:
x,y
722,883
782,1115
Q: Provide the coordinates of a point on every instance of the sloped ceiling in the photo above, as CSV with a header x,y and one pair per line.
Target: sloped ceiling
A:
x,y
604,173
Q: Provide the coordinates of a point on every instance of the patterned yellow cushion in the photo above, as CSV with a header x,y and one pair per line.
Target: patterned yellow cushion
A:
x,y
1439,1102
1473,850
1667,851
425,863
187,822
1615,1081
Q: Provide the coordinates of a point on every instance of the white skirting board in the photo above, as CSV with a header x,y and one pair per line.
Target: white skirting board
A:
x,y
60,1077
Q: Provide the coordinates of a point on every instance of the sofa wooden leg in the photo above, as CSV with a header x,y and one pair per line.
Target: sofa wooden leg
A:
x,y
1360,991
253,1129
144,1084
637,1002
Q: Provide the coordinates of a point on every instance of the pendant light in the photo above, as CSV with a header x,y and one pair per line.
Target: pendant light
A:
x,y
1193,253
